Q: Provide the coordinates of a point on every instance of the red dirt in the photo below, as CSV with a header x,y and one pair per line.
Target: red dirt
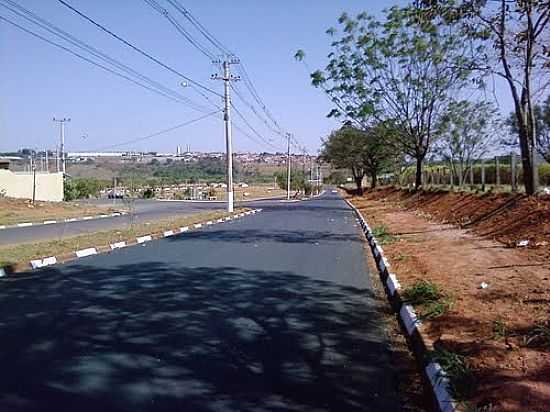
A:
x,y
511,375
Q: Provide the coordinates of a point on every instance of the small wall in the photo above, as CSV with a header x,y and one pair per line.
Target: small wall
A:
x,y
49,186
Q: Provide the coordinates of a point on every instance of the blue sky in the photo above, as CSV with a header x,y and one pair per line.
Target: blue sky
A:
x,y
39,81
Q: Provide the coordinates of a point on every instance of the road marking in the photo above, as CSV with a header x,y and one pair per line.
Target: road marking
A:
x,y
39,263
49,222
228,218
73,219
169,233
143,239
219,221
117,245
209,223
198,225
24,224
102,216
184,229
87,218
86,252
2,272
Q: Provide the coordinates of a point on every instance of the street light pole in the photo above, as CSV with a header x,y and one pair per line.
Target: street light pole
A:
x,y
288,167
62,138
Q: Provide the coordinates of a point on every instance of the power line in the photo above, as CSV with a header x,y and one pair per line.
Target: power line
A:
x,y
266,141
51,28
180,28
139,139
85,58
137,49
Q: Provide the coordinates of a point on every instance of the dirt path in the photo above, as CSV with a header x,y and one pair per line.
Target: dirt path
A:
x,y
502,330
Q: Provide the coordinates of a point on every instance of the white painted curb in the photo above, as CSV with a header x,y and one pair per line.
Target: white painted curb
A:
x,y
49,222
142,239
393,284
440,384
117,245
24,224
184,229
40,263
86,252
168,233
197,225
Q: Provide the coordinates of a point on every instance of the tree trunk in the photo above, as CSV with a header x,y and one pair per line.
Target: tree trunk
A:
x,y
418,178
359,184
373,178
526,160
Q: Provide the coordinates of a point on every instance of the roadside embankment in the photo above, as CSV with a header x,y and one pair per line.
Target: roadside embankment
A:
x,y
483,301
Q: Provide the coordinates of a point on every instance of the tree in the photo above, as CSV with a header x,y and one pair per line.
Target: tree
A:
x,y
401,72
468,130
518,35
362,152
297,181
542,127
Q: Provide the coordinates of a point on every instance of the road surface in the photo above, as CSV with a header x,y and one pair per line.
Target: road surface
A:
x,y
143,211
273,312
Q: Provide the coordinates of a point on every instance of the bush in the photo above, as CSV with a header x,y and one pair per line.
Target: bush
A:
x,y
149,193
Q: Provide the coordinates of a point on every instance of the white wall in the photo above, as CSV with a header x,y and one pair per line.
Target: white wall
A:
x,y
49,186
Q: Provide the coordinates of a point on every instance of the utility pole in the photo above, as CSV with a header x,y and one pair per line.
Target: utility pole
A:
x,y
288,167
33,168
46,161
62,139
227,78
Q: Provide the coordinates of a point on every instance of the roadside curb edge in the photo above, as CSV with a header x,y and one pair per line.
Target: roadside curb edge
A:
x,y
67,220
434,375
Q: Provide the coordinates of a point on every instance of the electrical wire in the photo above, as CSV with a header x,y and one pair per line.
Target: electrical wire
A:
x,y
149,136
137,49
51,28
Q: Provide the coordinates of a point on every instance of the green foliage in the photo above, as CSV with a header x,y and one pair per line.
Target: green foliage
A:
x,y
427,296
382,235
459,372
337,177
149,193
297,181
82,188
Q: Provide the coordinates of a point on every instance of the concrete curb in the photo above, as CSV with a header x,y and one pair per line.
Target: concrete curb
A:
x,y
68,220
435,378
77,254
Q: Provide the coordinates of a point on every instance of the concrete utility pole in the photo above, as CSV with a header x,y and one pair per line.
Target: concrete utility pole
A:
x,y
47,166
227,78
62,138
288,167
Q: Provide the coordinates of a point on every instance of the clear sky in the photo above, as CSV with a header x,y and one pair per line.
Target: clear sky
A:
x,y
39,81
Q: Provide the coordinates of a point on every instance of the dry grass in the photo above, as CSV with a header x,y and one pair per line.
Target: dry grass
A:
x,y
10,255
14,211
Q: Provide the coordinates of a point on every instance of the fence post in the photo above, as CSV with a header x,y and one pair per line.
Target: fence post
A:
x,y
482,175
497,172
513,172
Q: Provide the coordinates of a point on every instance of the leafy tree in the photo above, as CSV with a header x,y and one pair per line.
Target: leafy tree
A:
x,y
149,193
401,72
517,33
468,131
542,127
297,180
362,152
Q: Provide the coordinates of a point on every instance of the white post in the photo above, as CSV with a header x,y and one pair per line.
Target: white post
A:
x,y
288,168
228,143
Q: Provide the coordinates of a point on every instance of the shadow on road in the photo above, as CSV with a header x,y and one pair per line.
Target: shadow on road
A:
x,y
151,337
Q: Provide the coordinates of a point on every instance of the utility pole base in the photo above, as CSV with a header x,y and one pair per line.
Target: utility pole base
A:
x,y
230,201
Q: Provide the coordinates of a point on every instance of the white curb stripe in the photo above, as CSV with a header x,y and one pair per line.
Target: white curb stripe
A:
x,y
86,252
117,245
39,263
142,239
209,223
73,219
2,272
393,284
49,222
2,227
219,221
228,218
87,218
440,383
184,229
409,318
197,225
169,233
24,224
103,216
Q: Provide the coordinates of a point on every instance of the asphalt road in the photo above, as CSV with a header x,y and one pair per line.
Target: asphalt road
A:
x,y
143,211
273,312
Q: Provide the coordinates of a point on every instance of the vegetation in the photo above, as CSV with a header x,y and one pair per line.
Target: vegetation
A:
x,y
382,235
428,298
298,181
457,369
83,188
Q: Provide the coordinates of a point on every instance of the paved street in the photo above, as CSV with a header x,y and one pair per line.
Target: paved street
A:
x,y
143,211
269,313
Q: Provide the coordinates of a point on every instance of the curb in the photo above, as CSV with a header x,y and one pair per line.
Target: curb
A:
x,y
67,220
90,251
434,376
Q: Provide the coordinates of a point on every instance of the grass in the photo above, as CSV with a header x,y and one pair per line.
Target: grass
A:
x,y
25,252
428,298
460,374
500,330
382,235
14,211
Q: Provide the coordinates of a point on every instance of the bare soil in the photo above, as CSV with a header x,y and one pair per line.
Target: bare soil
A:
x,y
14,211
458,241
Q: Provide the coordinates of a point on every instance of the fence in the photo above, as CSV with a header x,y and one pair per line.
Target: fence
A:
x,y
501,173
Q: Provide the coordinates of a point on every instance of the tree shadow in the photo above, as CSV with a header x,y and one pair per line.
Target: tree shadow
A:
x,y
155,337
